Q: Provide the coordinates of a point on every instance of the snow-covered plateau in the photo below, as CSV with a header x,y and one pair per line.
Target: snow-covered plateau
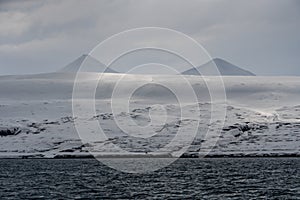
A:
x,y
262,116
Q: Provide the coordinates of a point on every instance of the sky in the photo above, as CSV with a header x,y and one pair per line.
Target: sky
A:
x,y
44,36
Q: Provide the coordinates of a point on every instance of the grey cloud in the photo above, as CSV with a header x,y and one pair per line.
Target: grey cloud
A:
x,y
43,36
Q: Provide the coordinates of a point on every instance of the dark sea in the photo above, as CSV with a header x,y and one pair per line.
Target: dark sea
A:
x,y
213,178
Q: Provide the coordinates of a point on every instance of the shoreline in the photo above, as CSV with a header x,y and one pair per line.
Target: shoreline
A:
x,y
57,157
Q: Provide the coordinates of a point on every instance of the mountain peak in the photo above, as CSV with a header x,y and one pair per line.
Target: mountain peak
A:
x,y
88,63
218,59
224,68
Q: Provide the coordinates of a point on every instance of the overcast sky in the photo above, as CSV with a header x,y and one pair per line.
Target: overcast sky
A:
x,y
43,36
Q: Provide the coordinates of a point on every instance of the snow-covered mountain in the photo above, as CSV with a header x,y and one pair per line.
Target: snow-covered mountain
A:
x,y
225,69
36,115
89,64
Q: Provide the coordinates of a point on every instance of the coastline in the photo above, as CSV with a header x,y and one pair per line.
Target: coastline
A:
x,y
140,156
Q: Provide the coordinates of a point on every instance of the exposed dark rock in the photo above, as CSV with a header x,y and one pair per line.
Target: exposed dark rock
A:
x,y
67,119
9,131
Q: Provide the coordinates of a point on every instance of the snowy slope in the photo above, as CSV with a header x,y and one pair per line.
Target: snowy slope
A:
x,y
89,64
224,68
36,115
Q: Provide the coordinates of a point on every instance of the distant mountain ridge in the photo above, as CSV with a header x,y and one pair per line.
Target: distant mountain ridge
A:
x,y
89,64
224,68
215,67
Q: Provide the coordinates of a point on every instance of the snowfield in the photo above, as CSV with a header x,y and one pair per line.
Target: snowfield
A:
x,y
262,116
